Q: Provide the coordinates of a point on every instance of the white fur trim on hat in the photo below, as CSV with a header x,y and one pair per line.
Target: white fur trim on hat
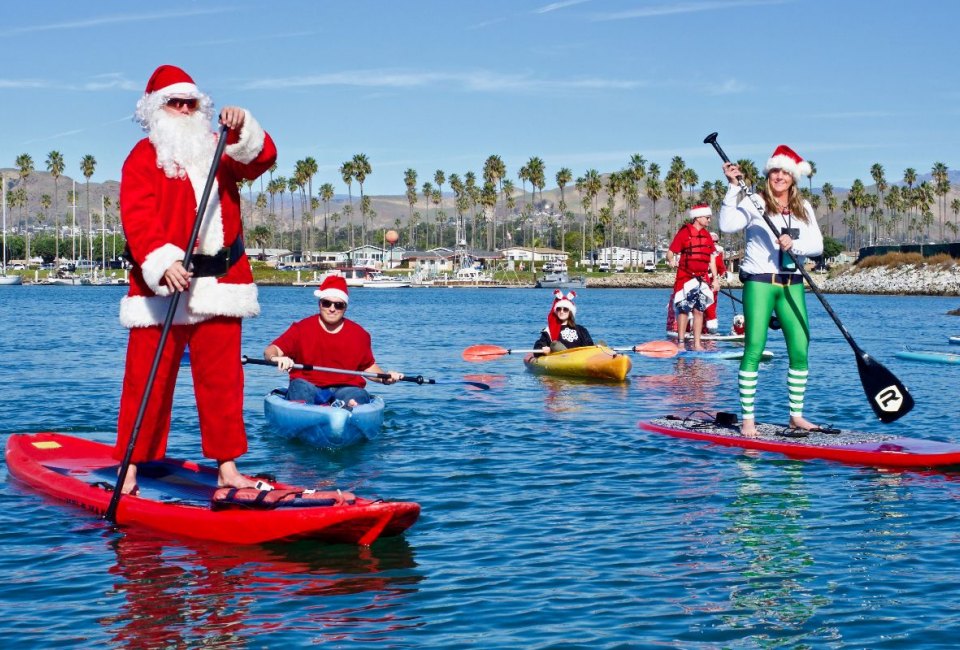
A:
x,y
564,301
332,294
700,210
788,160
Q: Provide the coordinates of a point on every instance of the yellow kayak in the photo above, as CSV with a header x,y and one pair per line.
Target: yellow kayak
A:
x,y
591,362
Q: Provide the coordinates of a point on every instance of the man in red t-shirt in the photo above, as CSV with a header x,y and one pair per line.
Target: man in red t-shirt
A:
x,y
331,341
695,247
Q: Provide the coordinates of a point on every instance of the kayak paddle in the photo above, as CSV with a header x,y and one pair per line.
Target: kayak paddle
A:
x,y
418,379
888,397
111,513
486,352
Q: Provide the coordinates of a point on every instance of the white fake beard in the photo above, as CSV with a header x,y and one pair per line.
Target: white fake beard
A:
x,y
182,141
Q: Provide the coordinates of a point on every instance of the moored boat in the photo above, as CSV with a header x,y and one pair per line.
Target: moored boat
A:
x,y
323,426
589,362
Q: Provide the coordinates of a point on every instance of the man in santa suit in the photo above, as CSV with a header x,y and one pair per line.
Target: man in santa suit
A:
x,y
161,186
711,324
691,253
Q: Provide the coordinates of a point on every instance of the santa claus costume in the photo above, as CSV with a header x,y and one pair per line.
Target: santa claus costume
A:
x,y
161,185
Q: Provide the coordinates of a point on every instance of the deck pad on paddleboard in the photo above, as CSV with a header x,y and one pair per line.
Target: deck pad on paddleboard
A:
x,y
175,497
884,450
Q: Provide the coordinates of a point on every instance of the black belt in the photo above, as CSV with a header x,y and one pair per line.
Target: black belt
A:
x,y
215,266
784,279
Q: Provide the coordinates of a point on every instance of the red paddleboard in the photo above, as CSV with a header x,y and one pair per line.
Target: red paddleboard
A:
x,y
838,444
175,497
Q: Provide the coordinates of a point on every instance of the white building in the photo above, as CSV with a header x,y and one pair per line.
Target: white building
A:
x,y
528,255
618,257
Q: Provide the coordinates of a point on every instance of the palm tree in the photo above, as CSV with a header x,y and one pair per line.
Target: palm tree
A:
x,y
941,186
494,171
56,166
25,164
439,178
361,169
427,191
410,180
88,165
326,195
654,193
347,173
293,185
813,172
564,177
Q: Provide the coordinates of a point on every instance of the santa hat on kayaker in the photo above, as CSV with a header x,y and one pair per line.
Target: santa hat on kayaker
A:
x,y
700,210
333,287
560,300
168,82
788,160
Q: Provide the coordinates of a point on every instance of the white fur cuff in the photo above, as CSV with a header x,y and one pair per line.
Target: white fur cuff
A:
x,y
157,263
251,141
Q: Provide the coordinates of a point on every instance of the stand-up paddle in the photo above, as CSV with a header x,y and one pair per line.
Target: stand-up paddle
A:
x,y
111,513
887,395
414,379
485,352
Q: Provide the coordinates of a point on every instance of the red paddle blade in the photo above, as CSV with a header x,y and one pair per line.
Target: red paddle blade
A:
x,y
484,352
660,349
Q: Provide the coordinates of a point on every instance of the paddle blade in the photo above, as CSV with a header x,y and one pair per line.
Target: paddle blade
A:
x,y
888,397
659,349
484,352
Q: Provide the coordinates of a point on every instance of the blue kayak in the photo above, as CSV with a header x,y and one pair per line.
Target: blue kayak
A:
x,y
323,426
736,353
929,356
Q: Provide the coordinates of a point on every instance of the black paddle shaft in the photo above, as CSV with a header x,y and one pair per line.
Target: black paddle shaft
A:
x,y
111,513
888,397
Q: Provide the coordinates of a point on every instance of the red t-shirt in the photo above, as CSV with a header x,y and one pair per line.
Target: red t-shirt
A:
x,y
695,248
307,342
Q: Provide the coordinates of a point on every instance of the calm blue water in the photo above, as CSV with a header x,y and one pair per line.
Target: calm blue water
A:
x,y
549,520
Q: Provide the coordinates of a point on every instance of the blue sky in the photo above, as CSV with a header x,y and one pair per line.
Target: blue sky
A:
x,y
444,84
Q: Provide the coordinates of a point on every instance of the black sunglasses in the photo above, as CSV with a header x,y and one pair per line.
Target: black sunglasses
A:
x,y
179,102
327,304
562,309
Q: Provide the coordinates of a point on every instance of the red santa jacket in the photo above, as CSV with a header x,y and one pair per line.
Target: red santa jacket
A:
x,y
158,214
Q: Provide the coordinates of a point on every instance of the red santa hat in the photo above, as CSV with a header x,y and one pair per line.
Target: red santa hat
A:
x,y
169,81
172,82
788,160
333,287
700,210
559,300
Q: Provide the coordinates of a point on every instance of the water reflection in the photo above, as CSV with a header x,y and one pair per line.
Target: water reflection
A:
x,y
190,594
569,395
775,596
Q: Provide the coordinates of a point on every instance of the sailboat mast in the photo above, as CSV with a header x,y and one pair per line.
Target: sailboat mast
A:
x,y
73,236
3,182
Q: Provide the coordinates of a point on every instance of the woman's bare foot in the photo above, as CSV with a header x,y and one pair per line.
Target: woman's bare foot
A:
x,y
130,480
230,476
699,348
748,428
799,422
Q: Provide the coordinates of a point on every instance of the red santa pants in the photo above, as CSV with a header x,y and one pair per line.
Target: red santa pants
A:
x,y
217,384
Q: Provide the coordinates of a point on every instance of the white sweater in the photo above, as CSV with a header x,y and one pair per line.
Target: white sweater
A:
x,y
762,251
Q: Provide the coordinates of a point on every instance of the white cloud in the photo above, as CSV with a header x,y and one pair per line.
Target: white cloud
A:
x,y
553,6
683,8
119,19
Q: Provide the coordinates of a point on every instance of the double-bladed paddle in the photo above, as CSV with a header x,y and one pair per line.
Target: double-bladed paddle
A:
x,y
887,395
486,352
417,379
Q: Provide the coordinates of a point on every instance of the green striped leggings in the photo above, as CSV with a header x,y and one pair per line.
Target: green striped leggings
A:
x,y
760,301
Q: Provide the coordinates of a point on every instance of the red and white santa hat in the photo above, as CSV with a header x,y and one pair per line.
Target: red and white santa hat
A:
x,y
560,300
168,81
700,210
788,160
333,287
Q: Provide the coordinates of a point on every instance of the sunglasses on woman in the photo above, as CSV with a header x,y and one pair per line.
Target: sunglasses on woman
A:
x,y
336,304
559,309
180,102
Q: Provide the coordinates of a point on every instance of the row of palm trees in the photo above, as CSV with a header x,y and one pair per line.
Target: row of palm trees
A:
x,y
489,210
18,199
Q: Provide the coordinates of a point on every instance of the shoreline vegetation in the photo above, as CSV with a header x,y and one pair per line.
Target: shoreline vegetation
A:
x,y
903,274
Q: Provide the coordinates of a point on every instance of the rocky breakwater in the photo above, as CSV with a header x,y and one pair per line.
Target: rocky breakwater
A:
x,y
655,280
903,280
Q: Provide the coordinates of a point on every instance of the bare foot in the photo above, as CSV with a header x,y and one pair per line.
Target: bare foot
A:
x,y
230,476
351,403
699,348
799,422
748,428
130,480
